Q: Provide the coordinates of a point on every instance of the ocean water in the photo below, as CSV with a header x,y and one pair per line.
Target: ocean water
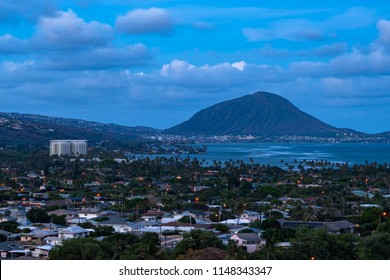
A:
x,y
280,154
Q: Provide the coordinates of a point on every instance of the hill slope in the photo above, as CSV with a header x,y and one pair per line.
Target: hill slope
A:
x,y
259,114
18,128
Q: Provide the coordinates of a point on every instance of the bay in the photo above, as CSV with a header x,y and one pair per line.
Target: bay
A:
x,y
280,154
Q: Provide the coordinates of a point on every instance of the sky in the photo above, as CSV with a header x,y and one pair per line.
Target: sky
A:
x,y
156,63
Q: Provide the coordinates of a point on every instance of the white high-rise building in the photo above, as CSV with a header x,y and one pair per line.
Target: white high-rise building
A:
x,y
68,147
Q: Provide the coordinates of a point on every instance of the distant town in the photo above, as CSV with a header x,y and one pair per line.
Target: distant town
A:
x,y
74,200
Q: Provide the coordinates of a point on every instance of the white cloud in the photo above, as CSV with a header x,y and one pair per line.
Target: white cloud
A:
x,y
239,65
140,21
67,42
384,34
68,31
187,87
183,74
354,63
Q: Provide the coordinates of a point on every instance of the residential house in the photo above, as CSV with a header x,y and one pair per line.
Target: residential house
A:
x,y
340,226
88,214
78,201
73,232
361,193
12,249
295,224
332,227
60,212
152,215
7,234
42,252
198,188
120,225
41,195
37,236
7,247
251,241
19,213
237,221
252,215
53,240
75,221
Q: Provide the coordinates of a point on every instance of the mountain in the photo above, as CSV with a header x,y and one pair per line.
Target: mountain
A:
x,y
258,114
18,128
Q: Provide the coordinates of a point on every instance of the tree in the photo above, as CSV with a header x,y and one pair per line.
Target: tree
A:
x,y
146,249
102,231
119,244
270,223
87,225
384,227
369,218
311,243
376,247
246,230
245,187
255,224
204,254
318,244
311,214
3,238
187,220
222,228
196,240
236,252
79,249
58,220
10,226
38,215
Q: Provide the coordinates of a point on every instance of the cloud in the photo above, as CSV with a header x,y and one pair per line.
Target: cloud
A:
x,y
16,74
67,31
309,30
100,58
183,74
331,50
67,42
383,41
141,21
14,12
323,51
204,25
351,64
295,30
189,15
9,44
352,18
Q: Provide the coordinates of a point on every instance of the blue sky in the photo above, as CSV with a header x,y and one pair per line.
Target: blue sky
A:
x,y
156,63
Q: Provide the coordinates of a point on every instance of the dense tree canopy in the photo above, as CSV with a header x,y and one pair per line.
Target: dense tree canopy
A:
x,y
38,215
196,240
115,246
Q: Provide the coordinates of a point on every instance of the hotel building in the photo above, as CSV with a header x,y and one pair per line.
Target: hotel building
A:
x,y
68,147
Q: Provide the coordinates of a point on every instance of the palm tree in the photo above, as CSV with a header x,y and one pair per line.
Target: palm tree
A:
x,y
239,207
311,214
329,210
